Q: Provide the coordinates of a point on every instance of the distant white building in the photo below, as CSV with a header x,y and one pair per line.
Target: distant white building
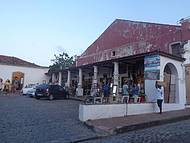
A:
x,y
24,72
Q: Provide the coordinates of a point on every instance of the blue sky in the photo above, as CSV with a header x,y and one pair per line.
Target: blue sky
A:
x,y
35,30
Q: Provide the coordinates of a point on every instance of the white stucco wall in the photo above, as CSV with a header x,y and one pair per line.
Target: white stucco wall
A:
x,y
186,55
135,109
150,89
31,75
181,91
92,112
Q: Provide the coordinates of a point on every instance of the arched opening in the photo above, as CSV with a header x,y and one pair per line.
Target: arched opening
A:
x,y
171,84
187,80
18,80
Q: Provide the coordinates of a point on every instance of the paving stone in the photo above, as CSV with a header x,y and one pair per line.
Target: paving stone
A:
x,y
24,119
178,132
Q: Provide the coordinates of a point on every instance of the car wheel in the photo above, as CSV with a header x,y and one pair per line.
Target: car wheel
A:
x,y
51,97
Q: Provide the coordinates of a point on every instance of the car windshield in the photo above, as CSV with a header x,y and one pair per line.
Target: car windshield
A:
x,y
30,85
42,86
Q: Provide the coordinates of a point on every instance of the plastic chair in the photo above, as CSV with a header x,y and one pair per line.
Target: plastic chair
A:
x,y
136,99
98,100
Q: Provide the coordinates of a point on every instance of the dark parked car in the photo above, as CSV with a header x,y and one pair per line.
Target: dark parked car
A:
x,y
50,91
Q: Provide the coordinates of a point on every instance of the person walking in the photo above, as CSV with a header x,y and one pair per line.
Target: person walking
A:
x,y
135,93
125,96
106,91
125,89
1,84
159,95
7,86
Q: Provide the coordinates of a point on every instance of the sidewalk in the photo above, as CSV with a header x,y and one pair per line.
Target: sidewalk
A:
x,y
77,98
135,122
2,93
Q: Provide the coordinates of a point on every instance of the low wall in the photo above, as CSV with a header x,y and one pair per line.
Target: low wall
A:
x,y
99,111
134,109
172,107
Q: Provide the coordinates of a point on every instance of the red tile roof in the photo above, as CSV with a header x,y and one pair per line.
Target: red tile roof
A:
x,y
126,38
7,60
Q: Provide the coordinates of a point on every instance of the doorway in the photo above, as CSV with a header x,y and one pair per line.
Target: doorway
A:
x,y
187,80
171,83
18,80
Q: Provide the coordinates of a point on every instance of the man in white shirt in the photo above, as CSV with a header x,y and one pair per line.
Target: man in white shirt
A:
x,y
159,96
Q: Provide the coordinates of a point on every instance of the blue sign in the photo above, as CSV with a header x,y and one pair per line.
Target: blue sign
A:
x,y
152,61
152,74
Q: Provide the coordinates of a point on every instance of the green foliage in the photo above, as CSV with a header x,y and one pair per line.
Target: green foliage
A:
x,y
63,61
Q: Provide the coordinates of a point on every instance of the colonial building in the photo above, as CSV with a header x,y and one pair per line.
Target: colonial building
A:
x,y
140,53
12,68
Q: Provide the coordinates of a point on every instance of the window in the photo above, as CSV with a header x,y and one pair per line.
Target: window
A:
x,y
176,49
113,53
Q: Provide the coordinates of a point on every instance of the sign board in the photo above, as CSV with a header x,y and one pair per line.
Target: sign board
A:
x,y
153,74
152,67
152,61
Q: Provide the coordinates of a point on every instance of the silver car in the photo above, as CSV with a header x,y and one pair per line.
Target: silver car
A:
x,y
29,90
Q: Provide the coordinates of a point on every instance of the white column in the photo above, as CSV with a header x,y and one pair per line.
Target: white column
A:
x,y
95,81
80,78
116,74
60,78
53,77
79,88
68,78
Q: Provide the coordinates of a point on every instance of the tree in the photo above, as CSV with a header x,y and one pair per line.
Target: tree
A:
x,y
62,61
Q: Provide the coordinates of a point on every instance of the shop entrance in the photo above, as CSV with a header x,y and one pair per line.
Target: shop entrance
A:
x,y
171,83
187,79
18,80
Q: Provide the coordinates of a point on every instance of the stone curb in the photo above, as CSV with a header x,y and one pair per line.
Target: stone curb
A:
x,y
97,130
74,98
124,129
101,135
148,124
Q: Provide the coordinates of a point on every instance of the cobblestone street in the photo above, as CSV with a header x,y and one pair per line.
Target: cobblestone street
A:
x,y
27,120
178,132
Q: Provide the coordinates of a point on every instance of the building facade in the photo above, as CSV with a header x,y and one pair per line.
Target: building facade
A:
x,y
140,53
24,72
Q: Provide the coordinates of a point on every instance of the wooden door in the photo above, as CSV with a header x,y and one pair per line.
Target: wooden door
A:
x,y
167,79
187,78
18,78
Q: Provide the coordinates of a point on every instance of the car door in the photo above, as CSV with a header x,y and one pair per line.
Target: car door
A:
x,y
56,90
61,91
